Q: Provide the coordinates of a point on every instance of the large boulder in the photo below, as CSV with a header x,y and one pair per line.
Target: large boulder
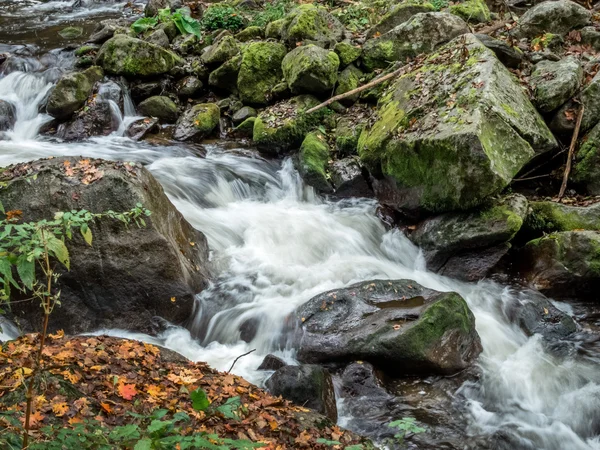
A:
x,y
8,115
422,33
223,49
96,119
555,82
311,23
129,274
586,170
131,57
451,132
197,122
548,216
398,14
453,241
161,107
564,264
313,159
260,70
348,80
347,52
307,385
555,16
225,77
71,92
309,69
398,325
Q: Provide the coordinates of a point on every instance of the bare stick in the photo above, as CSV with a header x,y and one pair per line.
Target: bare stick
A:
x,y
236,359
563,187
375,82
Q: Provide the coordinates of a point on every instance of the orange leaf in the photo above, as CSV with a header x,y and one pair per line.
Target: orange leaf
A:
x,y
60,409
127,391
106,407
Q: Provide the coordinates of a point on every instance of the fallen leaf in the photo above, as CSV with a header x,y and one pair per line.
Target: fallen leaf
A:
x,y
127,391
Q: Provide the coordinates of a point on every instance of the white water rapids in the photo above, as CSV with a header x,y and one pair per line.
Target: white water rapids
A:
x,y
275,244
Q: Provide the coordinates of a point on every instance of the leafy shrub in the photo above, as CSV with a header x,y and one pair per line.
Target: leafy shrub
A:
x,y
405,426
439,4
271,12
219,17
184,23
356,17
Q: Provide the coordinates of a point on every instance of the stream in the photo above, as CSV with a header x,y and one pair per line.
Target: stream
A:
x,y
275,244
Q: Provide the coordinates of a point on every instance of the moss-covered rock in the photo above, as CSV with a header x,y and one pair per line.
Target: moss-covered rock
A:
x,y
548,217
586,170
131,57
313,159
222,50
71,32
226,76
161,107
246,128
310,69
399,14
347,52
346,135
555,82
260,70
348,80
197,122
274,30
311,23
249,34
563,122
422,33
160,38
442,149
71,92
397,325
559,16
473,11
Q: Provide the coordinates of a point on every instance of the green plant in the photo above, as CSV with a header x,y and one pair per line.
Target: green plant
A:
x,y
356,17
219,17
405,426
438,5
184,23
270,12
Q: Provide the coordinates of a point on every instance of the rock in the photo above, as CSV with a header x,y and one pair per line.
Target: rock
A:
x,y
143,90
188,45
347,132
308,385
508,55
282,127
311,23
86,49
153,6
422,33
246,128
225,77
129,274
590,36
313,160
243,114
189,87
160,38
140,128
197,122
71,32
399,326
96,119
272,362
564,264
586,170
347,52
106,29
445,149
260,70
397,15
554,83
161,107
348,179
562,122
111,91
310,69
474,265
249,34
472,11
170,29
222,50
547,217
8,115
133,57
274,29
348,80
557,16
71,92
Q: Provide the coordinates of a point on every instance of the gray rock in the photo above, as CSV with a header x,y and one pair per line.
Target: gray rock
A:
x,y
310,23
308,385
397,15
348,179
590,99
111,91
197,122
243,114
508,55
161,107
71,92
106,29
143,90
140,128
554,83
222,50
189,87
8,115
96,119
272,362
160,38
556,16
590,36
153,6
310,69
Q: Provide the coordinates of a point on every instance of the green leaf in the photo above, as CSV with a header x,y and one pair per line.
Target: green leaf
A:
x,y
355,447
6,272
2,208
144,444
181,417
191,26
86,233
26,271
199,400
125,433
157,426
328,442
58,248
230,408
159,413
143,24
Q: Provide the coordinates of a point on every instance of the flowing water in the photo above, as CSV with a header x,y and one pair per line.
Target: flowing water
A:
x,y
275,244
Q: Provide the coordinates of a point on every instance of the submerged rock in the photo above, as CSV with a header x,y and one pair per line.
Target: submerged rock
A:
x,y
260,70
129,274
399,326
307,385
309,69
555,82
451,132
556,16
71,92
197,122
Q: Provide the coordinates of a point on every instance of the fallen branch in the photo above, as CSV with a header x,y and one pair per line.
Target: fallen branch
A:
x,y
236,359
492,28
563,187
375,82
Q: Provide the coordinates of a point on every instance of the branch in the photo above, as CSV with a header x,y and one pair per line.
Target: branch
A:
x,y
236,359
563,187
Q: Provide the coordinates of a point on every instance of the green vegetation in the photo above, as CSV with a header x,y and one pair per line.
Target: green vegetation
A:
x,y
217,17
184,23
271,12
405,426
356,16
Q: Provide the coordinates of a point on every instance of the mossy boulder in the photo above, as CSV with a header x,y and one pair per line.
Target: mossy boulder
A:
x,y
131,57
397,325
564,264
250,33
422,33
313,160
473,11
586,171
563,122
556,16
71,32
548,217
348,80
246,128
347,52
346,136
159,37
222,50
451,132
398,14
71,92
555,82
197,122
311,23
274,30
310,69
450,240
283,126
161,107
226,76
260,70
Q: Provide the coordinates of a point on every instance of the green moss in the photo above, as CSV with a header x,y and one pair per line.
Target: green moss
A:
x,y
549,217
249,34
274,29
312,23
310,68
206,117
500,212
313,159
347,53
85,49
474,11
260,70
246,128
509,110
378,54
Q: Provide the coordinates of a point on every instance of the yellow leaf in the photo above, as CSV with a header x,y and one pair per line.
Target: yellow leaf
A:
x,y
60,409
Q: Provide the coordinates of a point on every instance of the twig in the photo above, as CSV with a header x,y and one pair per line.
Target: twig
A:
x,y
375,82
490,29
563,187
236,359
532,178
